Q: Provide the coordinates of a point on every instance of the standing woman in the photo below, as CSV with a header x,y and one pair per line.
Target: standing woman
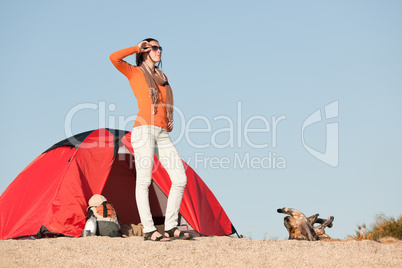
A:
x,y
150,135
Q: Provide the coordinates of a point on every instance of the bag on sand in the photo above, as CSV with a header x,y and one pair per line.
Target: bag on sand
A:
x,y
105,215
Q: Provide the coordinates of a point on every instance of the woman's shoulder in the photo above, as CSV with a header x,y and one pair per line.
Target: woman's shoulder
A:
x,y
136,69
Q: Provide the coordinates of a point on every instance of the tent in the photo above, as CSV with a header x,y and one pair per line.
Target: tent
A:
x,y
51,194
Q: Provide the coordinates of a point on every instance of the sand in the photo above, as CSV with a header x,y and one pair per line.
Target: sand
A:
x,y
200,252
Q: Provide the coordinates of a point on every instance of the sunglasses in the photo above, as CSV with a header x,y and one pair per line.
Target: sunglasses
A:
x,y
155,48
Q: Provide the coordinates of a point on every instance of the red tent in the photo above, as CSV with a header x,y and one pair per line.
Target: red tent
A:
x,y
51,194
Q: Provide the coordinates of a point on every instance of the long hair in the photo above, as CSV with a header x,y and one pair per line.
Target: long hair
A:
x,y
139,59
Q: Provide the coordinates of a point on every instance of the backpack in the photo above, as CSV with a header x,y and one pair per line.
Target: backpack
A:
x,y
106,217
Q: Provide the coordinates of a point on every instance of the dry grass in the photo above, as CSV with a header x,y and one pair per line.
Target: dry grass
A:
x,y
383,229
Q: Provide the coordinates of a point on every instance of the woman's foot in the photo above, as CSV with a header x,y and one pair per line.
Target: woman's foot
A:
x,y
156,237
177,234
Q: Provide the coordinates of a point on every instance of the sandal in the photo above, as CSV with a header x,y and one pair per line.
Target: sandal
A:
x,y
148,236
182,235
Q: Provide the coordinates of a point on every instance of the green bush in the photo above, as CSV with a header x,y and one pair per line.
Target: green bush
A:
x,y
383,227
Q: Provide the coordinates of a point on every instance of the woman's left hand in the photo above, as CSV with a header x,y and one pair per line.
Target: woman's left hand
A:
x,y
170,126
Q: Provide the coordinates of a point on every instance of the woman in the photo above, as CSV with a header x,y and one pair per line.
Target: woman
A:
x,y
150,135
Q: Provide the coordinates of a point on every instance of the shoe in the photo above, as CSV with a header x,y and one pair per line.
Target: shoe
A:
x,y
148,236
182,235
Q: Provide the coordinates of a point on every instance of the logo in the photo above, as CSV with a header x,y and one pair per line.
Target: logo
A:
x,y
330,156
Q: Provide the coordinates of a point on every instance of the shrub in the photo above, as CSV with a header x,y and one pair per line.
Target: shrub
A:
x,y
383,227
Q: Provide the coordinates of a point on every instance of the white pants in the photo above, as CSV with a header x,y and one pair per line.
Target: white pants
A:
x,y
148,140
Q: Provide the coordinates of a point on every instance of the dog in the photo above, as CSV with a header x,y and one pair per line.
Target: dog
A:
x,y
302,228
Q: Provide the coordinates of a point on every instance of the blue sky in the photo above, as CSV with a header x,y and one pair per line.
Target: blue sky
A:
x,y
262,60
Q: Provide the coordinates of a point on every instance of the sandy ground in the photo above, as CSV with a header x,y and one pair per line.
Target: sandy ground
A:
x,y
200,252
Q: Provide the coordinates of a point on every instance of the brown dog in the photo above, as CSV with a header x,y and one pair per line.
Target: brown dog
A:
x,y
302,228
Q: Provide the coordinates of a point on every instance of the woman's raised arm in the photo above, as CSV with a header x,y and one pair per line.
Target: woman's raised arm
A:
x,y
117,59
